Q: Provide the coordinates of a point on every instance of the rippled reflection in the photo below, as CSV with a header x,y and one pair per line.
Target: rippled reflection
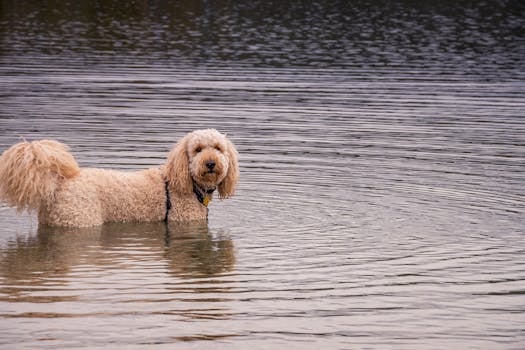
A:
x,y
36,268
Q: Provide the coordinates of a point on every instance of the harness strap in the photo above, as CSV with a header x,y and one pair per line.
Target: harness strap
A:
x,y
168,201
200,194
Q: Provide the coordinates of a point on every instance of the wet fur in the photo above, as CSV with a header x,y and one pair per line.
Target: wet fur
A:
x,y
43,176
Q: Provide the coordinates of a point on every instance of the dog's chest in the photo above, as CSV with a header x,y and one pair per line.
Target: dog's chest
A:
x,y
187,208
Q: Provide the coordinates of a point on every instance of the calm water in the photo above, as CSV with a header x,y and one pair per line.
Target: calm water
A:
x,y
382,154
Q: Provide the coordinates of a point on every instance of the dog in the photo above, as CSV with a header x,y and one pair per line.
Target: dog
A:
x,y
43,176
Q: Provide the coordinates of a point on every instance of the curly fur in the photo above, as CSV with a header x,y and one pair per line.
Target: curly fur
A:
x,y
44,176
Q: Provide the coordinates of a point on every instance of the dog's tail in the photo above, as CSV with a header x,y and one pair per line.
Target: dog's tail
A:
x,y
30,172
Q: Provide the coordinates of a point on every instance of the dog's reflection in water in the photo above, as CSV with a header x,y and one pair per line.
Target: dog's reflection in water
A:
x,y
55,256
192,251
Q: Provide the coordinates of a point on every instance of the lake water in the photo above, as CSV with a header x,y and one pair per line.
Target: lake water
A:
x,y
381,203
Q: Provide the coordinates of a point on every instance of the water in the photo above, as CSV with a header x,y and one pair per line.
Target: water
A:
x,y
381,202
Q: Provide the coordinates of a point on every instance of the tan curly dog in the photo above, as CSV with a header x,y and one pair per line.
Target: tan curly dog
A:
x,y
44,176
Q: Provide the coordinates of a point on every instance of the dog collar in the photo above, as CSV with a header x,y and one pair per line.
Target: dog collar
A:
x,y
202,195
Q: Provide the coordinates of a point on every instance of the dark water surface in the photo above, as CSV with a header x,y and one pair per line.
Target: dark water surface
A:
x,y
382,150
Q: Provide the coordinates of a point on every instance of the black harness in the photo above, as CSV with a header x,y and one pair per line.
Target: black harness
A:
x,y
168,201
201,195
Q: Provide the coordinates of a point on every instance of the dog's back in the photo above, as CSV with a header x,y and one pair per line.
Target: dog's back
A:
x,y
96,196
43,176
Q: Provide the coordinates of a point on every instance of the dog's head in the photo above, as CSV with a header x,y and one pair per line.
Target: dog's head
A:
x,y
207,158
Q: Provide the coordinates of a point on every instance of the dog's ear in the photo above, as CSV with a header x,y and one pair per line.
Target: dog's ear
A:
x,y
177,169
228,185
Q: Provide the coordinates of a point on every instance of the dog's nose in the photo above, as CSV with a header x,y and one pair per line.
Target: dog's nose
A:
x,y
210,164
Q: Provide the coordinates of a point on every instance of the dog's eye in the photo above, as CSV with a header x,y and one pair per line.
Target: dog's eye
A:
x,y
198,149
218,148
